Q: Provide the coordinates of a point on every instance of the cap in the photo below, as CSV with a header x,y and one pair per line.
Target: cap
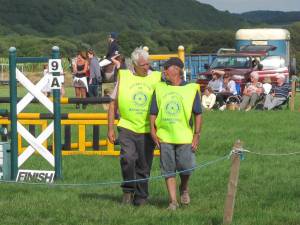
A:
x,y
174,61
113,35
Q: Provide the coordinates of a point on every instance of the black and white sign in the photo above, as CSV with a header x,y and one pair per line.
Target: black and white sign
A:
x,y
56,82
54,66
35,176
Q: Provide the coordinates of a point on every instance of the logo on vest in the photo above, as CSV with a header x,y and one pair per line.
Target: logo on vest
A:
x,y
172,108
140,99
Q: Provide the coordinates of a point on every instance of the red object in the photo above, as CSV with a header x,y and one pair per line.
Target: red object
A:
x,y
87,73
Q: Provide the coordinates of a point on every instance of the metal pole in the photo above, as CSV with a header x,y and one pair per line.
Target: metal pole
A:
x,y
13,112
57,122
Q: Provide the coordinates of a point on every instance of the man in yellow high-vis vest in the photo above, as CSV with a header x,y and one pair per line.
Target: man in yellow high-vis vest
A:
x,y
132,96
175,127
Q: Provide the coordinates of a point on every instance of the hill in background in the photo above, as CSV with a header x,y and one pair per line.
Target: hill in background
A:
x,y
34,26
271,17
74,17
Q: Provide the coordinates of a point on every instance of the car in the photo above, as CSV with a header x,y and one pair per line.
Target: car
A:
x,y
241,64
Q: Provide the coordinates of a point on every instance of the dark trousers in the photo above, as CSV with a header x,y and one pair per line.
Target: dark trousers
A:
x,y
93,89
222,97
136,160
100,89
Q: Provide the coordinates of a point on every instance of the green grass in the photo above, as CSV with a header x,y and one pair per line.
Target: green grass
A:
x,y
268,188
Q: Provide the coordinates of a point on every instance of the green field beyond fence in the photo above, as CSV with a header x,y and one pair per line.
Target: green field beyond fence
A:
x,y
267,194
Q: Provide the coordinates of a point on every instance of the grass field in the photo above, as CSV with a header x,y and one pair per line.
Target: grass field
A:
x,y
268,189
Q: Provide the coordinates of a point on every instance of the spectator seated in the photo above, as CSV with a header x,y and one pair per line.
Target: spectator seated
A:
x,y
279,94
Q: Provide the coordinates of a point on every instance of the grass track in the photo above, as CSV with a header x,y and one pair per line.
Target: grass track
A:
x,y
268,189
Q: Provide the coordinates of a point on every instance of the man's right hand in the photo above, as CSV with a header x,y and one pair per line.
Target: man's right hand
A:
x,y
111,135
155,138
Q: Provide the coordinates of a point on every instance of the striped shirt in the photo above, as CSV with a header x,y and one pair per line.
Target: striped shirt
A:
x,y
281,91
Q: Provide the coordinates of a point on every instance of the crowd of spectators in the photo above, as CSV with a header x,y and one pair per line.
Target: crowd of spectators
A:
x,y
89,75
221,88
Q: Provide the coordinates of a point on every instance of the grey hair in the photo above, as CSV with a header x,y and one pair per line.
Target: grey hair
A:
x,y
280,76
137,54
255,75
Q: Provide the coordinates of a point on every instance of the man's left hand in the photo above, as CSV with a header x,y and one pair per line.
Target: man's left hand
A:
x,y
195,142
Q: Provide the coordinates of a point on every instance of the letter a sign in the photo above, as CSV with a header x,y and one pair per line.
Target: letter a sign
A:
x,y
55,82
54,66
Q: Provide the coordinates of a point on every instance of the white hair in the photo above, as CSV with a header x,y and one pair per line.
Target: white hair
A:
x,y
280,76
137,54
255,75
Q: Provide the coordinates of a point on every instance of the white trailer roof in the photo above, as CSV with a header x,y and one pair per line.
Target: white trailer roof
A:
x,y
262,34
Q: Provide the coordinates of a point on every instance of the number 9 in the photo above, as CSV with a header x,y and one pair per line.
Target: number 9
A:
x,y
54,65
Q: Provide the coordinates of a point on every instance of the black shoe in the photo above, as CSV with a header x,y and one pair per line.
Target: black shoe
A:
x,y
140,201
77,106
117,142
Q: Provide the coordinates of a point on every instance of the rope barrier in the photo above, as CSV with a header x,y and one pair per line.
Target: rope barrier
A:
x,y
119,182
271,154
239,151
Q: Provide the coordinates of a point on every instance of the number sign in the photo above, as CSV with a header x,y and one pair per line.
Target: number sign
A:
x,y
54,66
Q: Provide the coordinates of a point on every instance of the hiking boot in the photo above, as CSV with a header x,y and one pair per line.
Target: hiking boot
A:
x,y
127,198
184,196
173,206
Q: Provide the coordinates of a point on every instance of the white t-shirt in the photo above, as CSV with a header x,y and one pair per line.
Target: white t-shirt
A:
x,y
208,101
232,87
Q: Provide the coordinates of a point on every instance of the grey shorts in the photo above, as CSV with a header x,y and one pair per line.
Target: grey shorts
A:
x,y
176,157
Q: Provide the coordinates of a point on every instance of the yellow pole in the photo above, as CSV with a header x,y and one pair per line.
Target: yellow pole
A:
x,y
81,137
181,53
20,144
44,126
146,48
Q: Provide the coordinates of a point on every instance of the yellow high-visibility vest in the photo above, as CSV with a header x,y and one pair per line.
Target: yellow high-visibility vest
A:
x,y
175,104
134,99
